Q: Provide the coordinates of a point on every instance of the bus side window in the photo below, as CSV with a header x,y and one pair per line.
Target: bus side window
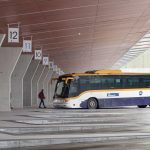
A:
x,y
132,82
118,82
146,81
104,83
124,82
84,84
108,82
135,82
141,82
95,82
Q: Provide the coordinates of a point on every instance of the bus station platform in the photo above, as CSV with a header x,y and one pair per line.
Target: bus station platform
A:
x,y
119,128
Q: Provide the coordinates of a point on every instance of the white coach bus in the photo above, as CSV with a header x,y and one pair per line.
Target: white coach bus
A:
x,y
102,89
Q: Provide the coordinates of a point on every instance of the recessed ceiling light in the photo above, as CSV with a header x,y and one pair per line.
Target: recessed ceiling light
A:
x,y
79,33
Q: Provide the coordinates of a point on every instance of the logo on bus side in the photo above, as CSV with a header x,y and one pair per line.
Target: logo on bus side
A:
x,y
140,92
112,94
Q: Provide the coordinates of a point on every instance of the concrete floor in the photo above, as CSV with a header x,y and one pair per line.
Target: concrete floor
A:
x,y
64,129
141,144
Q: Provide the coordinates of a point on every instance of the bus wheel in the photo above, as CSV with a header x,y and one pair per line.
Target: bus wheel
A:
x,y
142,106
92,103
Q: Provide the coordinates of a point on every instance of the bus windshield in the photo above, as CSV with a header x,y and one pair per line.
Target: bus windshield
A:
x,y
61,89
73,88
65,90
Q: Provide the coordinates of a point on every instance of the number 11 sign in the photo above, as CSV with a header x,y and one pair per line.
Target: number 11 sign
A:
x,y
13,35
27,45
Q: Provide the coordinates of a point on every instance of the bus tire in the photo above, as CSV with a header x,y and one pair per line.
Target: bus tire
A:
x,y
92,103
142,106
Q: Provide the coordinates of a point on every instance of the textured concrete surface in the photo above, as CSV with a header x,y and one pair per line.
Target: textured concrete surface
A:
x,y
17,86
2,36
27,80
34,83
139,144
51,88
47,88
41,83
8,59
118,128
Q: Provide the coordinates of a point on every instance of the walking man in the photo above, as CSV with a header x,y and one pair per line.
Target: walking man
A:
x,y
41,97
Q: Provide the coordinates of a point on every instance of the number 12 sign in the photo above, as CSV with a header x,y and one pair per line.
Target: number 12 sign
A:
x,y
13,35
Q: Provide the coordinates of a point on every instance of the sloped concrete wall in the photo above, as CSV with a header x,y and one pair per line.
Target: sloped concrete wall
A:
x,y
47,81
51,88
41,83
17,80
2,37
34,94
8,59
41,79
27,82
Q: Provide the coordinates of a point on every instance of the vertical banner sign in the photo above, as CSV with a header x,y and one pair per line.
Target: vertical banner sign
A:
x,y
38,55
45,60
27,45
51,65
13,35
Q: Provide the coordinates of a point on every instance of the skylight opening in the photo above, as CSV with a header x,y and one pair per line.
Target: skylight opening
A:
x,y
140,47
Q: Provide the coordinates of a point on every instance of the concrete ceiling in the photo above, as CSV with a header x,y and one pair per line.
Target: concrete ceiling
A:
x,y
79,35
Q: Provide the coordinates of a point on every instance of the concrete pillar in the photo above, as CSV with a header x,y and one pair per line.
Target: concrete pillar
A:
x,y
34,86
41,83
8,59
46,85
51,88
27,82
17,80
2,37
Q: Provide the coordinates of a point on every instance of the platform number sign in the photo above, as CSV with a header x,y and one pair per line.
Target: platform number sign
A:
x,y
27,45
45,60
13,35
38,55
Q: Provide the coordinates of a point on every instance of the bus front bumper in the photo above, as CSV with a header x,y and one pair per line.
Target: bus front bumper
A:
x,y
60,103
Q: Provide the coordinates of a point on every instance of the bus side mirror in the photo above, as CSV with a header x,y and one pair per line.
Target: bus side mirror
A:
x,y
67,79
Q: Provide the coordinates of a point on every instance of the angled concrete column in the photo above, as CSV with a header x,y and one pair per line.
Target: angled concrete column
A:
x,y
2,37
37,75
41,82
41,79
8,59
27,82
46,85
17,80
51,88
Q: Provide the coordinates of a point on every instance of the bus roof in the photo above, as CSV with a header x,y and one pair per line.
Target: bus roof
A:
x,y
102,72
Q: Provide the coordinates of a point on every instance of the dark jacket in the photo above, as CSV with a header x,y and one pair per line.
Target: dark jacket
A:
x,y
41,95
